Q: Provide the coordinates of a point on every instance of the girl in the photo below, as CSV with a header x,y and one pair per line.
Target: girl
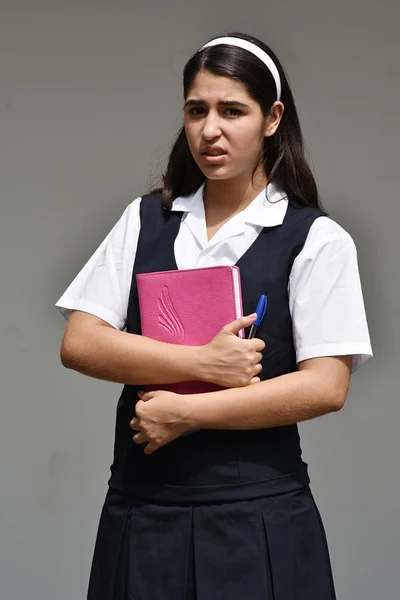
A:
x,y
225,512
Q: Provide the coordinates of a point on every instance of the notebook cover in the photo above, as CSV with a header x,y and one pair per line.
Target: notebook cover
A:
x,y
188,307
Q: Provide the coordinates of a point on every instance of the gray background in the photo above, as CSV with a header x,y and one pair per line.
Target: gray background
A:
x,y
90,98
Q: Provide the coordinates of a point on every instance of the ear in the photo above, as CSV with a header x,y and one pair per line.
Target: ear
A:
x,y
274,118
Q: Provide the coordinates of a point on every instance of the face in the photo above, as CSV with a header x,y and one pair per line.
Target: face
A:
x,y
225,127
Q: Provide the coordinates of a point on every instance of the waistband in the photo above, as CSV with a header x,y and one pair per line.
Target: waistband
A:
x,y
154,491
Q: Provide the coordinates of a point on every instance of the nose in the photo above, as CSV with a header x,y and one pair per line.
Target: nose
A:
x,y
211,126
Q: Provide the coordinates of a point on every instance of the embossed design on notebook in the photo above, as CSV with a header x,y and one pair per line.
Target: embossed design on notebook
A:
x,y
169,319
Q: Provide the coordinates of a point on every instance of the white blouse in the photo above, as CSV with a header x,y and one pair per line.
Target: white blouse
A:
x,y
325,295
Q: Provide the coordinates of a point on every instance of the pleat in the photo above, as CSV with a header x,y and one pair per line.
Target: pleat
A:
x,y
109,565
298,553
278,523
230,552
158,551
121,572
190,583
325,553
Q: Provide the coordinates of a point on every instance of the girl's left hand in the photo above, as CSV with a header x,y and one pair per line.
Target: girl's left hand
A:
x,y
160,418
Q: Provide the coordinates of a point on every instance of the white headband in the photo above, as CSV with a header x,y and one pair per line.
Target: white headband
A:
x,y
250,47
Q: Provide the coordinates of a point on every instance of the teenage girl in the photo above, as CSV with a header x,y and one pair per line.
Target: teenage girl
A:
x,y
225,512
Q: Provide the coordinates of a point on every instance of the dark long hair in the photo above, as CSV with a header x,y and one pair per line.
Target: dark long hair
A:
x,y
283,156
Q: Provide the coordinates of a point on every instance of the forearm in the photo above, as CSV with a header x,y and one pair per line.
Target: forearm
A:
x,y
112,355
276,402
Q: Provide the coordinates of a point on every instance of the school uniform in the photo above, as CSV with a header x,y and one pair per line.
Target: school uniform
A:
x,y
223,514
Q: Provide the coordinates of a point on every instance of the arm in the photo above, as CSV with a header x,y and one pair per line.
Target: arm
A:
x,y
319,387
93,347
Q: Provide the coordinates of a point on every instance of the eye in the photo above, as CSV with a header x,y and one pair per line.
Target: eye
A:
x,y
234,112
196,111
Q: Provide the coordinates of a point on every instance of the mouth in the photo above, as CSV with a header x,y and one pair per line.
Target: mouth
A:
x,y
214,160
214,156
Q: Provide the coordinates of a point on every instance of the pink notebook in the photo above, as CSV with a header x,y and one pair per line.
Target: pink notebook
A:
x,y
189,307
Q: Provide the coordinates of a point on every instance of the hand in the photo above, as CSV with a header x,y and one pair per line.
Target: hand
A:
x,y
160,418
230,361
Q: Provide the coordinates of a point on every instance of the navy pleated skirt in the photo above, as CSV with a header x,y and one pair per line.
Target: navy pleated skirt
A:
x,y
271,548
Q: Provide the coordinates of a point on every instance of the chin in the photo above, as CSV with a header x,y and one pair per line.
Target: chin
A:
x,y
216,176
216,173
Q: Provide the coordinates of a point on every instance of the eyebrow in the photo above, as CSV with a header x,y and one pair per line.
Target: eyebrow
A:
x,y
192,102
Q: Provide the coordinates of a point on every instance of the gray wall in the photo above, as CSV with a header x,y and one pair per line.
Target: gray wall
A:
x,y
90,98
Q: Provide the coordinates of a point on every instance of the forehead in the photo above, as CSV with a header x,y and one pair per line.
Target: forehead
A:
x,y
210,87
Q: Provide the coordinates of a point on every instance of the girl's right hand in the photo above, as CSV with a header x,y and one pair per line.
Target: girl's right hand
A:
x,y
230,361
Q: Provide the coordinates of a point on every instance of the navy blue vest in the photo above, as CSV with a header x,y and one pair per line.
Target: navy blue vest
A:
x,y
219,465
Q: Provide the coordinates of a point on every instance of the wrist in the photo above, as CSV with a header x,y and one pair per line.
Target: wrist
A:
x,y
189,411
200,364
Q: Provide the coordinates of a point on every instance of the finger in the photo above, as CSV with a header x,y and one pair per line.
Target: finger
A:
x,y
140,438
240,323
255,380
258,344
148,396
257,369
145,395
134,424
259,357
150,448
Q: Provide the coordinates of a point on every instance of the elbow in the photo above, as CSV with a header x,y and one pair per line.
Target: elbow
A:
x,y
332,393
329,378
68,356
337,398
77,343
337,403
65,358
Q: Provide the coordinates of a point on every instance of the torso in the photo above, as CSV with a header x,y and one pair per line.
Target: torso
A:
x,y
219,465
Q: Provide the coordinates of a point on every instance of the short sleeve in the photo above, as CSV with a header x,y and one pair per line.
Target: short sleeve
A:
x,y
102,287
325,297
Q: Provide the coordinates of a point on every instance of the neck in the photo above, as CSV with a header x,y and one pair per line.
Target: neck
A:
x,y
233,195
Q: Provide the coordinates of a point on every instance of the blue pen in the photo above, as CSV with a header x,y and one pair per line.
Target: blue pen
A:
x,y
261,309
